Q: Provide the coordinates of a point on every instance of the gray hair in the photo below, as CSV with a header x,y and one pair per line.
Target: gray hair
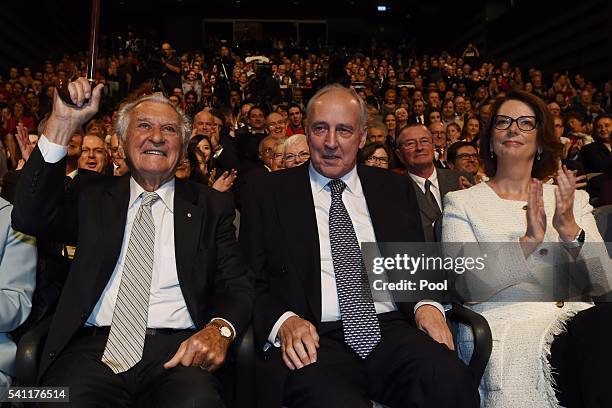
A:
x,y
123,117
363,112
377,124
293,140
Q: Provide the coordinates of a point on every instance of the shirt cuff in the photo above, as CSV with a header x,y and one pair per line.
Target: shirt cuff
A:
x,y
273,337
430,303
218,153
51,152
228,323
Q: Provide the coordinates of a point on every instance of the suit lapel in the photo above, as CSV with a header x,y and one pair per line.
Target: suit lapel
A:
x,y
188,220
114,207
296,212
446,181
382,219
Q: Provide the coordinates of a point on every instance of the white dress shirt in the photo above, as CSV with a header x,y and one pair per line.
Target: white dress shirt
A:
x,y
167,308
356,205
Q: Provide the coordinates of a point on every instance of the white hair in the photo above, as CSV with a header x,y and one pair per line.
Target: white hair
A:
x,y
123,117
298,138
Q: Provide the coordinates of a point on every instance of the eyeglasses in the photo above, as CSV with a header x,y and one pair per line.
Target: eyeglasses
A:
x,y
467,156
302,155
412,144
524,123
381,160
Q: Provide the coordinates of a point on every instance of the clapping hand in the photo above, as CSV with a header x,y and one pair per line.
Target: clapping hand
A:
x,y
563,219
24,141
536,218
225,181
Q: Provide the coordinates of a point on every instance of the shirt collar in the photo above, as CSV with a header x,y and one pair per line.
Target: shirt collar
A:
x,y
165,193
421,181
319,181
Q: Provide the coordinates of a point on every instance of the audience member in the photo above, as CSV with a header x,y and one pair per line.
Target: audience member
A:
x,y
101,316
301,320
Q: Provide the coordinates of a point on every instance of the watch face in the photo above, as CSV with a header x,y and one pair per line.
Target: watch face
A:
x,y
226,332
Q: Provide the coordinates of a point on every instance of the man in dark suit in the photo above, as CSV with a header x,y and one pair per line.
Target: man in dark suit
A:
x,y
415,150
418,112
596,156
323,341
157,290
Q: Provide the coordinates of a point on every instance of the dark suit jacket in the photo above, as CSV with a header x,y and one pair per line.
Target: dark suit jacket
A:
x,y
92,215
448,180
280,241
595,157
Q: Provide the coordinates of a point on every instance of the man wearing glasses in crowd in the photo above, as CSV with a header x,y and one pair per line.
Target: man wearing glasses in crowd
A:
x,y
415,150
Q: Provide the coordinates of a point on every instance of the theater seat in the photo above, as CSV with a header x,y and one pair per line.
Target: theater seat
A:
x,y
241,361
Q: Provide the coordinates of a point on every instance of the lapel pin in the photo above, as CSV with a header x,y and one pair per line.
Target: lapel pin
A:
x,y
188,215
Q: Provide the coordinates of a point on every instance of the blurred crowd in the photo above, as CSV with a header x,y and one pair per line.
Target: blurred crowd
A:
x,y
248,104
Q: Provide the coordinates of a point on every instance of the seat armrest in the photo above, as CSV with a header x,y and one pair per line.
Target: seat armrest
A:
x,y
29,351
483,341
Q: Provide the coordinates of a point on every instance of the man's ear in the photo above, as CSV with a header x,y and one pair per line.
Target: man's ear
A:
x,y
364,138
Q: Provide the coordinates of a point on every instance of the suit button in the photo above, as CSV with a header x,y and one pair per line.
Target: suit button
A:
x,y
52,355
266,357
543,251
559,304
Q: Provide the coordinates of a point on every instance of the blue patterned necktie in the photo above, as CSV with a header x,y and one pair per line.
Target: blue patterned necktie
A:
x,y
359,320
129,325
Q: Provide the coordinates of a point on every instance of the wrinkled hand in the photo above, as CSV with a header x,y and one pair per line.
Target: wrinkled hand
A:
x,y
225,181
299,342
431,321
563,219
581,181
464,182
205,349
536,218
65,119
23,140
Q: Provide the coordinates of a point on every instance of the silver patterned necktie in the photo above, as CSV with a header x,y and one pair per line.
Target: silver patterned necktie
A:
x,y
128,328
359,321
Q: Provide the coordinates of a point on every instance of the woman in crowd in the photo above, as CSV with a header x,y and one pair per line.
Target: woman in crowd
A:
x,y
401,114
471,130
203,160
453,133
18,113
375,155
544,353
391,123
433,116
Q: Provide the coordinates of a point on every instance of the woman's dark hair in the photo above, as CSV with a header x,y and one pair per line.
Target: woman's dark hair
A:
x,y
369,150
548,162
464,131
429,112
210,165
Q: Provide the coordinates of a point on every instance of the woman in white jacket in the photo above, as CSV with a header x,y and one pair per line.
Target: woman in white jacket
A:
x,y
529,232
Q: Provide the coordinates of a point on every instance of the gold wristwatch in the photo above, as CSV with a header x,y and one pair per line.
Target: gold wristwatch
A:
x,y
224,330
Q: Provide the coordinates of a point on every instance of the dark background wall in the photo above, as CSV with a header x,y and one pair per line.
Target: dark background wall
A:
x,y
553,35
